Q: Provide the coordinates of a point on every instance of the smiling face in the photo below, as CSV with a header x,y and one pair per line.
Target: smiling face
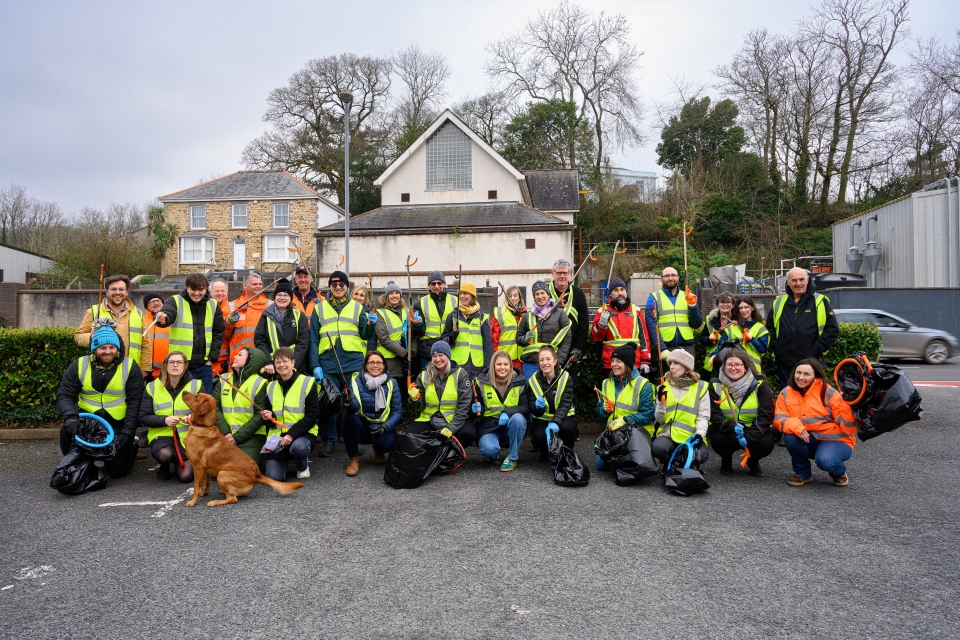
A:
x,y
466,299
725,307
218,291
375,365
746,311
107,353
670,278
541,297
155,305
240,360
437,286
338,289
282,300
117,293
252,286
360,295
514,297
440,361
501,367
284,367
803,376
393,298
561,278
548,362
797,281
196,294
734,368
618,367
303,281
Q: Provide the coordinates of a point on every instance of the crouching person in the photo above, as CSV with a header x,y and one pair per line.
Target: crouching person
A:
x,y
238,393
107,385
502,405
551,404
294,411
683,409
374,412
442,395
627,397
162,412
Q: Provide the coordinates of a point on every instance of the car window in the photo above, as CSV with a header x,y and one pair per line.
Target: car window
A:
x,y
852,316
883,320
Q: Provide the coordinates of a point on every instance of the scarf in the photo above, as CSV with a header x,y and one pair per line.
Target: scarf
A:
x,y
502,384
468,311
687,379
337,302
738,389
544,311
376,385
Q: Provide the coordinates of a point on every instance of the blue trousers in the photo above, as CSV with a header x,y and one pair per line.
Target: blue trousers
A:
x,y
510,435
299,449
203,373
829,455
530,370
356,430
328,429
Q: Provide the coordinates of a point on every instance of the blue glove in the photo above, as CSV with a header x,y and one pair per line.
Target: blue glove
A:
x,y
318,373
417,318
552,428
739,431
372,318
541,403
503,419
475,407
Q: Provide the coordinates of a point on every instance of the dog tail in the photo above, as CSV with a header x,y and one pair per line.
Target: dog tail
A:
x,y
282,488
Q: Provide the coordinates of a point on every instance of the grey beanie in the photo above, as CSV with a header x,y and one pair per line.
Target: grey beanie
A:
x,y
440,347
391,287
540,285
436,275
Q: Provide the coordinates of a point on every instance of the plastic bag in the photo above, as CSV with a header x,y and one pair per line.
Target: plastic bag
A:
x,y
568,469
77,474
882,397
637,462
682,474
415,456
449,458
612,444
92,430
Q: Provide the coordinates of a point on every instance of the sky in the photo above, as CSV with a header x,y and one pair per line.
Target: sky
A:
x,y
106,102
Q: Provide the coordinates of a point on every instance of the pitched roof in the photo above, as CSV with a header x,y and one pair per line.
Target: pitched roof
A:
x,y
441,216
554,189
245,185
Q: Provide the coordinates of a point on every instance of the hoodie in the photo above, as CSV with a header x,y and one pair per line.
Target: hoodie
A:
x,y
256,360
799,337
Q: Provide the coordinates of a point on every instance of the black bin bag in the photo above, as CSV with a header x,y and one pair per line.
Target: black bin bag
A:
x,y
77,472
882,397
682,474
568,469
627,452
415,456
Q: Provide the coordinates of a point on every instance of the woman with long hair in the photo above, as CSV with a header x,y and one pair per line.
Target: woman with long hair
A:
x,y
393,332
501,405
163,412
748,329
551,403
715,328
683,409
442,397
545,323
504,323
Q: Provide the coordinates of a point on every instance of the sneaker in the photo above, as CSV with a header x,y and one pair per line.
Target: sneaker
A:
x,y
508,465
379,458
797,481
726,466
326,450
842,481
304,474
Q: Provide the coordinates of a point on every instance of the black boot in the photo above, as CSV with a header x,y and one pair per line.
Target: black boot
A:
x,y
726,466
754,466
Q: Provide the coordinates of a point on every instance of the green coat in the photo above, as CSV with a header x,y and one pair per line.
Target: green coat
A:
x,y
246,436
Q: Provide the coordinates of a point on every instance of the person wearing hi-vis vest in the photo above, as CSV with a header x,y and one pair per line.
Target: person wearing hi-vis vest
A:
x,y
504,323
196,327
108,385
675,314
238,393
129,321
374,412
163,412
620,322
545,323
499,411
434,307
550,398
159,336
717,327
626,396
748,330
741,411
467,331
442,396
339,332
292,416
683,409
282,325
393,332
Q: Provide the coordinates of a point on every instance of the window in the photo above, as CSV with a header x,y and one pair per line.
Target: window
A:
x,y
281,215
239,216
198,216
196,250
275,248
448,159
531,243
492,194
404,197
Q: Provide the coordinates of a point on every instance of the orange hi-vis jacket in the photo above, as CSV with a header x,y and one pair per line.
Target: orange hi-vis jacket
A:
x,y
829,420
240,335
160,339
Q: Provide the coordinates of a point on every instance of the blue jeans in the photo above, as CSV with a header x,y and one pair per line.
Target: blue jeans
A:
x,y
828,454
203,373
510,435
299,449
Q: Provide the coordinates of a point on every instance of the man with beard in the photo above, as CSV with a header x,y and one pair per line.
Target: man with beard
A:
x,y
119,308
621,322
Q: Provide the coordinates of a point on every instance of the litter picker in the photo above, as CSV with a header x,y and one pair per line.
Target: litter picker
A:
x,y
250,400
613,259
410,321
582,264
100,297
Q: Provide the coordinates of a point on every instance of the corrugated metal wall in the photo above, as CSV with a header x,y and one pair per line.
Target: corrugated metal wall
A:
x,y
16,264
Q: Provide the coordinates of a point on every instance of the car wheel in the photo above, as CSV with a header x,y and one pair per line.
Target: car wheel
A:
x,y
936,352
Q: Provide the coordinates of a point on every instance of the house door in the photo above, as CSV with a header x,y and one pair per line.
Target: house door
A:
x,y
239,254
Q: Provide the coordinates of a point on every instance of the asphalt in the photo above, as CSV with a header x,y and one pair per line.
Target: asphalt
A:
x,y
920,371
488,554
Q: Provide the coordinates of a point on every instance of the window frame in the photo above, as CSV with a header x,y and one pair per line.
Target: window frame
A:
x,y
193,227
443,170
203,250
291,256
281,204
233,216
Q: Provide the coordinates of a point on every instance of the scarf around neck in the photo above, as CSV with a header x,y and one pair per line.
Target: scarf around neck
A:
x,y
377,386
544,311
738,388
469,310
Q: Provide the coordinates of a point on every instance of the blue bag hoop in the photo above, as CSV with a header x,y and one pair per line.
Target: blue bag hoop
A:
x,y
110,434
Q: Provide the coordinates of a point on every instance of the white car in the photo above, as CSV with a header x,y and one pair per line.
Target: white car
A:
x,y
902,339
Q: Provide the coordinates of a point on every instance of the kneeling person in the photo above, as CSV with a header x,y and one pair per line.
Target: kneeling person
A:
x,y
294,411
373,414
162,412
442,396
238,393
627,395
551,404
683,409
502,402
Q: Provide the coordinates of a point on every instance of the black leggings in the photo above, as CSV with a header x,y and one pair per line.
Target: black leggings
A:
x,y
726,444
467,434
663,446
569,430
166,455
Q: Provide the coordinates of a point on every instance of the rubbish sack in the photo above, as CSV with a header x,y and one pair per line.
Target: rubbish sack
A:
x,y
881,395
415,456
77,474
329,397
682,474
612,444
95,437
568,469
449,458
637,462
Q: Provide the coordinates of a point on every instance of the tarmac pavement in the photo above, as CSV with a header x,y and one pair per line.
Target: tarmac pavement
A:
x,y
489,554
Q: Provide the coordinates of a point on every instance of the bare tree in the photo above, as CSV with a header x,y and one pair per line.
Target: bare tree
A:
x,y
577,56
487,115
29,223
425,76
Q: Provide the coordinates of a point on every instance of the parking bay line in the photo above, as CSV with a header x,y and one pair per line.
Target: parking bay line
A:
x,y
165,505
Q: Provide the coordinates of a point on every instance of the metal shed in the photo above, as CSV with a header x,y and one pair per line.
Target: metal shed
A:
x,y
16,263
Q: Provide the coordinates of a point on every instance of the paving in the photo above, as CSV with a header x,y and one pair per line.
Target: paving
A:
x,y
488,554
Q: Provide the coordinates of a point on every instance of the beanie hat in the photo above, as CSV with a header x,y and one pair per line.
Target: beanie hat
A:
x,y
102,336
540,285
627,354
148,297
440,347
338,276
391,287
436,275
466,287
616,282
283,286
681,357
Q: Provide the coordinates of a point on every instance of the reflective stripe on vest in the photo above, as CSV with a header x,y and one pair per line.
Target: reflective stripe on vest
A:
x,y
113,399
237,410
746,413
671,317
618,340
818,300
164,405
469,342
508,332
558,390
273,333
134,341
627,402
491,399
682,421
344,325
288,407
445,404
433,321
374,419
758,330
534,346
394,326
568,301
181,332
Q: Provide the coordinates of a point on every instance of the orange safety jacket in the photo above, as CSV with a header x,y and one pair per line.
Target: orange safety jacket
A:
x,y
240,335
160,339
829,420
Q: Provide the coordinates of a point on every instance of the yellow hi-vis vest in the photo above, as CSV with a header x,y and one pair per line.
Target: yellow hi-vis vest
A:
x,y
671,317
433,326
113,399
181,331
712,349
445,404
534,347
758,330
493,407
373,419
394,327
627,402
508,332
818,300
746,413
164,405
681,414
345,325
558,390
288,407
469,342
567,301
273,332
236,409
135,336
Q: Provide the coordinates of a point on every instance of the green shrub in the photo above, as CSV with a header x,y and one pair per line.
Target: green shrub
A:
x,y
853,337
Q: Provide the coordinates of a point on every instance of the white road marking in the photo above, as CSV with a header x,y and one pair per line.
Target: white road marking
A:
x,y
162,511
165,505
29,574
9,586
519,611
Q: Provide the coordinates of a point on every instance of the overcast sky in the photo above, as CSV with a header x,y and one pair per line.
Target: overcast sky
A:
x,y
124,101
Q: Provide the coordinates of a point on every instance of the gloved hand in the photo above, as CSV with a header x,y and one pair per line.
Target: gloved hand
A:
x,y
575,354
413,392
690,298
714,336
121,439
232,319
644,369
378,429
529,336
665,354
504,418
475,407
70,427
345,398
318,374
739,431
608,405
619,423
372,318
604,319
552,428
541,403
446,433
662,393
417,318
746,335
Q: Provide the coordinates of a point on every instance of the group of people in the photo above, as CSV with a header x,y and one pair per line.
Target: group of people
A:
x,y
307,369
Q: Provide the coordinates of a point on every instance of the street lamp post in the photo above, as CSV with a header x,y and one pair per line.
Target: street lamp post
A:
x,y
346,97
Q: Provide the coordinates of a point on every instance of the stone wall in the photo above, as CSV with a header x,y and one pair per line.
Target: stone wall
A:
x,y
59,308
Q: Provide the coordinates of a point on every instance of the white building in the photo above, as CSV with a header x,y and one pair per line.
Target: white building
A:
x,y
18,265
644,182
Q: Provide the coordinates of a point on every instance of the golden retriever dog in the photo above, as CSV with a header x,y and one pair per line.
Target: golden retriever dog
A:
x,y
213,455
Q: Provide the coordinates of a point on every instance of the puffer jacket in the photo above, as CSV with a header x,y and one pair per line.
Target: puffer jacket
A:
x,y
368,401
825,418
547,329
290,332
198,311
246,436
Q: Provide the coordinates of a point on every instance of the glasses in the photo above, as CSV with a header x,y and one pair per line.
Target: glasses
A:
x,y
731,365
437,284
176,363
338,285
374,363
561,273
117,289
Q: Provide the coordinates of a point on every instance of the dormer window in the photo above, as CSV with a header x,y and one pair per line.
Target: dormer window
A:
x,y
449,166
